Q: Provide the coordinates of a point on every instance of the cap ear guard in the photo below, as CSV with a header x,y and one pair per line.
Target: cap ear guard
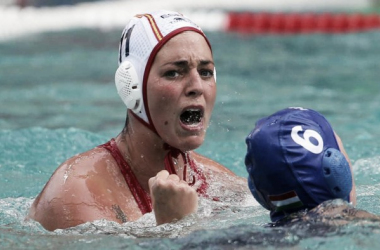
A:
x,y
337,173
128,86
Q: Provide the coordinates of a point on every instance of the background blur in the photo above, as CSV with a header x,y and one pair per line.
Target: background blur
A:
x,y
22,17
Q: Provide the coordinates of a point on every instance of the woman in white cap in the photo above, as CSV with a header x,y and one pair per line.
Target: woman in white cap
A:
x,y
166,78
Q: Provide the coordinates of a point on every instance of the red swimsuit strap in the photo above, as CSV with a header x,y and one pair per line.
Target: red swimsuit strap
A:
x,y
142,197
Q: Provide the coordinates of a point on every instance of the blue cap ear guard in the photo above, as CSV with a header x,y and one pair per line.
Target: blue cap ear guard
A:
x,y
293,161
337,173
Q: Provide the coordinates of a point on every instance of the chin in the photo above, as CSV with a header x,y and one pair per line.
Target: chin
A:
x,y
192,143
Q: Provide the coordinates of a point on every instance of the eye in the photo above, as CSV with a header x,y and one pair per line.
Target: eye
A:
x,y
171,74
206,73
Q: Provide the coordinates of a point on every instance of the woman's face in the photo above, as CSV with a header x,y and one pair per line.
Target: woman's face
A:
x,y
181,90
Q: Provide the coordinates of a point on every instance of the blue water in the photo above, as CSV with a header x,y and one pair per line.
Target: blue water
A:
x,y
58,98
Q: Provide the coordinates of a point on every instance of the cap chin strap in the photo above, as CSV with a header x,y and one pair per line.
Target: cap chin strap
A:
x,y
169,163
197,173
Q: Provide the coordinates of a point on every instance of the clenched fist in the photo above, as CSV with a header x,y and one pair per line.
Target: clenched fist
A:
x,y
172,197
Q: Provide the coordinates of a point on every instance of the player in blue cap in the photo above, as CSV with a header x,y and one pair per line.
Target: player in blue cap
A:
x,y
295,162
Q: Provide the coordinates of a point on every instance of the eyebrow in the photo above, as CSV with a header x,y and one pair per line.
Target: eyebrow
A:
x,y
206,62
185,63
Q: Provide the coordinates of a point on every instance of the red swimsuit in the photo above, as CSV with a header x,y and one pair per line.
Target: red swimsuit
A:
x,y
142,197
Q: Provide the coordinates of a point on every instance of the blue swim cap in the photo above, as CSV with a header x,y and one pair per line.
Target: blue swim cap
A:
x,y
294,162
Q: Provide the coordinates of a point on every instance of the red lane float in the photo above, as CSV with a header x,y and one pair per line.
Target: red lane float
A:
x,y
291,23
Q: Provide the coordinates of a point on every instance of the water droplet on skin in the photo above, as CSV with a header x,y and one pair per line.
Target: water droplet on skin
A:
x,y
65,176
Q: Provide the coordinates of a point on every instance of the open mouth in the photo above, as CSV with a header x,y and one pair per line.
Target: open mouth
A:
x,y
191,116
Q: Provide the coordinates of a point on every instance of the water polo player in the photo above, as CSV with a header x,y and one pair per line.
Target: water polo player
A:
x,y
166,78
295,162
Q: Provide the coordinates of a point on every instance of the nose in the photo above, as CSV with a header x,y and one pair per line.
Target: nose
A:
x,y
194,86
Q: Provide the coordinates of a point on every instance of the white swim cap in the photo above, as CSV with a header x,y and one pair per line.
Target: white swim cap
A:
x,y
140,42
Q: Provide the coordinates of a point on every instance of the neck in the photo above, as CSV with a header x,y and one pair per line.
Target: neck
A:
x,y
142,149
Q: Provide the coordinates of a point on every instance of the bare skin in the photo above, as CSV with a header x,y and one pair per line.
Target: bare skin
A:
x,y
353,191
332,213
90,186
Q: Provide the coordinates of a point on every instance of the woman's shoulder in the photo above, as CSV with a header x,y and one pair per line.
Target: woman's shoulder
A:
x,y
85,161
76,186
224,185
211,164
76,172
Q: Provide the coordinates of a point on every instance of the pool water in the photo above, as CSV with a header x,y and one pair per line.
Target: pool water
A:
x,y
58,99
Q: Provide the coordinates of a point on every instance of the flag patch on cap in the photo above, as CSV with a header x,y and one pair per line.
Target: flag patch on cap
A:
x,y
285,201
